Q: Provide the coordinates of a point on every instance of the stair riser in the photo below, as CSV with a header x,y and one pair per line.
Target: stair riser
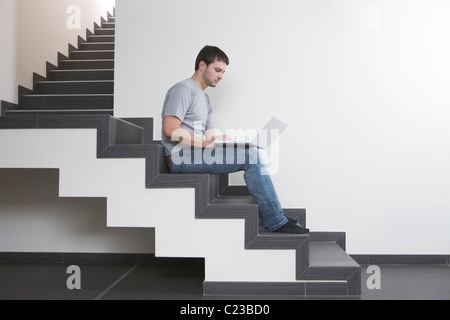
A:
x,y
337,237
105,32
75,75
75,88
147,125
67,102
86,64
96,46
90,55
95,38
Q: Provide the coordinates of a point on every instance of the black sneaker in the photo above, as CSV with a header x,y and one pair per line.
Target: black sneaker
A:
x,y
292,228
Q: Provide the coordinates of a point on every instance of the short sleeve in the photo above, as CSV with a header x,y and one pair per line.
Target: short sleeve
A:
x,y
177,103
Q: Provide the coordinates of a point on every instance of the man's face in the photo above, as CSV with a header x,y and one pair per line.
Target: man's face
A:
x,y
213,73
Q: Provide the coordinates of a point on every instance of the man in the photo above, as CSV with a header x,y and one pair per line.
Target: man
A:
x,y
187,122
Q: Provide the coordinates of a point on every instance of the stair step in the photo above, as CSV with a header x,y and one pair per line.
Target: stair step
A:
x,y
75,87
233,199
67,102
324,254
331,272
273,240
338,238
87,64
171,180
105,31
92,54
97,46
81,75
299,214
60,112
96,38
328,261
236,191
109,25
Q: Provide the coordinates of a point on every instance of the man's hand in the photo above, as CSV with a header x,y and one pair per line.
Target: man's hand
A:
x,y
208,144
223,138
172,129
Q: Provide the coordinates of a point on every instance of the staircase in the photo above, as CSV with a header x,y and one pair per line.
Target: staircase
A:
x,y
82,83
241,259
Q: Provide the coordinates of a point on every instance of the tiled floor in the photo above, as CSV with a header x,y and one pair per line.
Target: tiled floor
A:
x,y
182,280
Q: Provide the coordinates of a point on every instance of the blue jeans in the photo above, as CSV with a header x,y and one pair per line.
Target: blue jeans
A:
x,y
228,160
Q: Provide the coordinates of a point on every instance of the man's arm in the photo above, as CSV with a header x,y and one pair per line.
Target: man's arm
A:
x,y
172,129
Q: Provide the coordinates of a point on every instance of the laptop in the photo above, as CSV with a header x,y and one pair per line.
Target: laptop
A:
x,y
263,139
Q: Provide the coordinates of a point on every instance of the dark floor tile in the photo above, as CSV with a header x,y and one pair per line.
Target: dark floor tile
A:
x,y
49,282
161,281
182,279
410,282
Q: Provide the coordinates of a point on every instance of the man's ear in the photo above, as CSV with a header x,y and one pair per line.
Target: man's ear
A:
x,y
202,66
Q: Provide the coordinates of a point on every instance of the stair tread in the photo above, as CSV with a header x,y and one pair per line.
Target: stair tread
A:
x,y
80,70
97,43
87,60
59,111
70,95
93,36
326,254
56,110
276,235
76,81
81,51
233,199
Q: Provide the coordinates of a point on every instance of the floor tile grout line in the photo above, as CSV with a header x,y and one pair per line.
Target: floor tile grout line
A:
x,y
115,283
395,285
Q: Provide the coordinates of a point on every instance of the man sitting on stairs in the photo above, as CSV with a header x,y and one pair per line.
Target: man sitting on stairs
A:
x,y
187,132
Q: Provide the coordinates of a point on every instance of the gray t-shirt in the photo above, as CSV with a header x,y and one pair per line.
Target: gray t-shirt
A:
x,y
189,103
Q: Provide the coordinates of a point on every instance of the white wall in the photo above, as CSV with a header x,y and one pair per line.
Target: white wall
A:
x,y
8,78
363,83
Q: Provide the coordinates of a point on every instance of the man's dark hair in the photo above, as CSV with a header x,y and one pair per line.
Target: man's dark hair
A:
x,y
209,55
